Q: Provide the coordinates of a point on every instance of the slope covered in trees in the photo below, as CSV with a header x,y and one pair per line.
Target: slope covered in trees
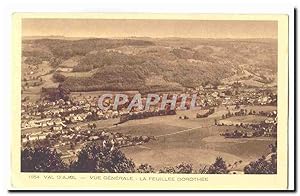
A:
x,y
96,158
127,64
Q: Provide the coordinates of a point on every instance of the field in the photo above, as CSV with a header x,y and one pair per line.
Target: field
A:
x,y
196,141
193,140
250,119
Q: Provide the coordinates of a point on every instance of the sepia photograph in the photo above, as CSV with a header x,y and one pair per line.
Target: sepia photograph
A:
x,y
69,67
158,96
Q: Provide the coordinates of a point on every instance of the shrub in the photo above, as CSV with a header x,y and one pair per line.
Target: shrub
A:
x,y
184,168
41,159
33,60
264,165
58,77
218,167
169,170
95,158
145,168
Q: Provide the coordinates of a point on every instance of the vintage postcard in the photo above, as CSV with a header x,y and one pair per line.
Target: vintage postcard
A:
x,y
150,101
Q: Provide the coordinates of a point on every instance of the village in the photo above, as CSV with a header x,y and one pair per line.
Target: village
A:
x,y
69,124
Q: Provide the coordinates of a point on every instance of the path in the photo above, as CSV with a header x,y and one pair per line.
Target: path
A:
x,y
186,130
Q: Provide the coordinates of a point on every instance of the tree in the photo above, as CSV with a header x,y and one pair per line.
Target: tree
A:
x,y
169,170
33,60
218,167
41,159
184,168
55,62
96,158
145,168
58,77
54,94
264,165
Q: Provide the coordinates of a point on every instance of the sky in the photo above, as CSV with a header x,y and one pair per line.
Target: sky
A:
x,y
149,28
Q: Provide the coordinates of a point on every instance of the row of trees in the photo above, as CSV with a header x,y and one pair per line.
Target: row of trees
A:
x,y
54,94
96,158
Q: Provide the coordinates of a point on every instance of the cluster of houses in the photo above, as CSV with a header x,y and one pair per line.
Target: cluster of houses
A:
x,y
61,113
70,141
53,123
245,112
85,108
206,114
59,120
266,128
238,134
256,130
212,96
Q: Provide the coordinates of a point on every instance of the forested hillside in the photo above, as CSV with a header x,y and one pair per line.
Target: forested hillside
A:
x,y
149,64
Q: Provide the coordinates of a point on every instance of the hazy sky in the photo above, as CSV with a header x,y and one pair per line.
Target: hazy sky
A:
x,y
149,28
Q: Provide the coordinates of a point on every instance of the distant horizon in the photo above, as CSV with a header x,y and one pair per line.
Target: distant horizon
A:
x,y
90,37
110,28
